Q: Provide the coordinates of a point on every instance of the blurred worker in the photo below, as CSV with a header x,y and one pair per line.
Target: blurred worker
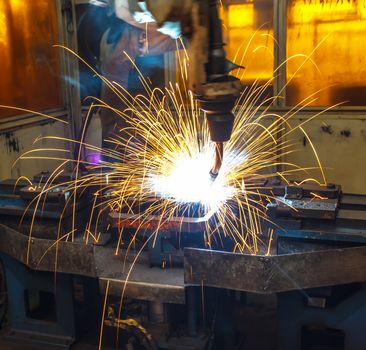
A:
x,y
125,35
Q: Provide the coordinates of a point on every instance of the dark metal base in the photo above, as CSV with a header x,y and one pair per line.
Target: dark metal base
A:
x,y
37,340
333,326
40,307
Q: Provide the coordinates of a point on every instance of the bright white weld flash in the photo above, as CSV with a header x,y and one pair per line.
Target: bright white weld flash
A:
x,y
189,182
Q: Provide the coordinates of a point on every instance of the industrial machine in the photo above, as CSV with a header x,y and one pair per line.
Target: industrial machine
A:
x,y
177,294
172,292
199,22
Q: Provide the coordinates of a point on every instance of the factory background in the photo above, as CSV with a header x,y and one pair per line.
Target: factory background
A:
x,y
55,84
313,54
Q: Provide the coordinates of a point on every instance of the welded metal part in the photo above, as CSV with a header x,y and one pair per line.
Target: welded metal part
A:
x,y
219,155
271,274
155,222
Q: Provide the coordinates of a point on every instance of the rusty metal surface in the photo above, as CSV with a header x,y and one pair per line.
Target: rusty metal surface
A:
x,y
271,274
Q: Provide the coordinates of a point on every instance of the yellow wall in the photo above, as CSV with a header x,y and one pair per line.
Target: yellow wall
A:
x,y
333,34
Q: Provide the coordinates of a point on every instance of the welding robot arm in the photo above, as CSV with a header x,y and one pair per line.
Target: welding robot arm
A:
x,y
198,21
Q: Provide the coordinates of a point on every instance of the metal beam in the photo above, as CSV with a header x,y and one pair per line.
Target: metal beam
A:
x,y
136,278
272,274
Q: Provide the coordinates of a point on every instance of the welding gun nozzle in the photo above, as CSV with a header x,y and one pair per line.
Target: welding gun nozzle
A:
x,y
219,154
213,176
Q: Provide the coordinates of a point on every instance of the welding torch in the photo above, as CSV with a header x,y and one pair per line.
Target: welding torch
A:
x,y
209,80
217,95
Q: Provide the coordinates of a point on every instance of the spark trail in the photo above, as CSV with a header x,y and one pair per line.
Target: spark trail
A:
x,y
164,155
158,166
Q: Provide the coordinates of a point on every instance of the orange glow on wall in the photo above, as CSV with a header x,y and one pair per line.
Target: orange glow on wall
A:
x,y
29,66
240,16
338,65
248,29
